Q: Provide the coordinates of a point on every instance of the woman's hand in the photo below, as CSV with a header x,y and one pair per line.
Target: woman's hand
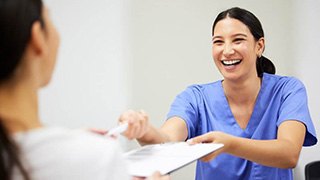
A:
x,y
98,131
158,176
155,176
138,123
213,137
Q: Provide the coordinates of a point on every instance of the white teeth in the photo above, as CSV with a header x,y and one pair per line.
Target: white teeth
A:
x,y
230,62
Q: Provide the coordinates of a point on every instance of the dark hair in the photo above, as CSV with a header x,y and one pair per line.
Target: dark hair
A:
x,y
9,156
252,22
16,20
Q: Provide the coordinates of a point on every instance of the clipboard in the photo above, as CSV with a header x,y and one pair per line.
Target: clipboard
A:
x,y
165,158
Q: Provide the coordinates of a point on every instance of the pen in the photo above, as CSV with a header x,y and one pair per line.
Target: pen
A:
x,y
117,130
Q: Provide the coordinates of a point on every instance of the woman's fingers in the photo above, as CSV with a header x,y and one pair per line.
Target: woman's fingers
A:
x,y
211,137
143,123
137,123
98,131
157,176
205,138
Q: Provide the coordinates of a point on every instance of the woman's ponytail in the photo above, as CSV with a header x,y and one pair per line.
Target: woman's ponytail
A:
x,y
264,65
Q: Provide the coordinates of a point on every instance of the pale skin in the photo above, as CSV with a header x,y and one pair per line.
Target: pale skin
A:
x,y
19,94
232,40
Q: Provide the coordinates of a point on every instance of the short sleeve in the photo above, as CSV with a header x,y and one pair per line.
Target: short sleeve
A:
x,y
185,106
294,106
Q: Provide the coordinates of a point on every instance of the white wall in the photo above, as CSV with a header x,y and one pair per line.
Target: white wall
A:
x,y
306,28
90,84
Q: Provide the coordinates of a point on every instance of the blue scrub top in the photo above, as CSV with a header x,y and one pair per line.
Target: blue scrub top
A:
x,y
205,108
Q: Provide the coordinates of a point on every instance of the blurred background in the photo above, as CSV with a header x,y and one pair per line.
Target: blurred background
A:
x,y
139,54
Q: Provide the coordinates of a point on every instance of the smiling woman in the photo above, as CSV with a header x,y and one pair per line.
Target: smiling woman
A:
x,y
256,114
239,33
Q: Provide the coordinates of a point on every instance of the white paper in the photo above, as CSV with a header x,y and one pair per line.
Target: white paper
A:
x,y
165,158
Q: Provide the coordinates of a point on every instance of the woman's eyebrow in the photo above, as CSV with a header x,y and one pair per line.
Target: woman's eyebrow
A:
x,y
215,37
239,34
234,35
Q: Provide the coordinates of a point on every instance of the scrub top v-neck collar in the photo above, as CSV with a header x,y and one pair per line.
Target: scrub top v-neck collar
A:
x,y
253,121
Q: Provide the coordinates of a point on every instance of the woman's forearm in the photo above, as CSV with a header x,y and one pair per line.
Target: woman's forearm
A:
x,y
275,153
282,152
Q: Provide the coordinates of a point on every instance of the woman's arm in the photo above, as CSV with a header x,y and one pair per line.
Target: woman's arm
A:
x,y
282,152
174,129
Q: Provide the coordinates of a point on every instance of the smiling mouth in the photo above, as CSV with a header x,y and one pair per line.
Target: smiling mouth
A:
x,y
231,62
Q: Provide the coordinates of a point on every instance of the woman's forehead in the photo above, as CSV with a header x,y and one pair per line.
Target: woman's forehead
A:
x,y
230,26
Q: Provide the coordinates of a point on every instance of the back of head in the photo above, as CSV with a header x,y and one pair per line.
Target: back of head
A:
x,y
255,27
16,19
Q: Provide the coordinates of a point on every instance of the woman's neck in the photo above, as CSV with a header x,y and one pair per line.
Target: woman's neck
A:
x,y
244,92
19,107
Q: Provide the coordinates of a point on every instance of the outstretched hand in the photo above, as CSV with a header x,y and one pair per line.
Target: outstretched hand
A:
x,y
213,137
138,123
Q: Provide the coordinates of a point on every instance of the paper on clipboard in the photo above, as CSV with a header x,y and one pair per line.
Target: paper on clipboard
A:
x,y
166,157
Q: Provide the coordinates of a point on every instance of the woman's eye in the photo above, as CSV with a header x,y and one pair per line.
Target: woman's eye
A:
x,y
217,42
238,40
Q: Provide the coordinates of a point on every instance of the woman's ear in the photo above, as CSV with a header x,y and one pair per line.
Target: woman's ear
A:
x,y
37,43
260,46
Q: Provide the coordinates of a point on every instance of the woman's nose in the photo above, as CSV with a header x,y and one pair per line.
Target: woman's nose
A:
x,y
228,50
